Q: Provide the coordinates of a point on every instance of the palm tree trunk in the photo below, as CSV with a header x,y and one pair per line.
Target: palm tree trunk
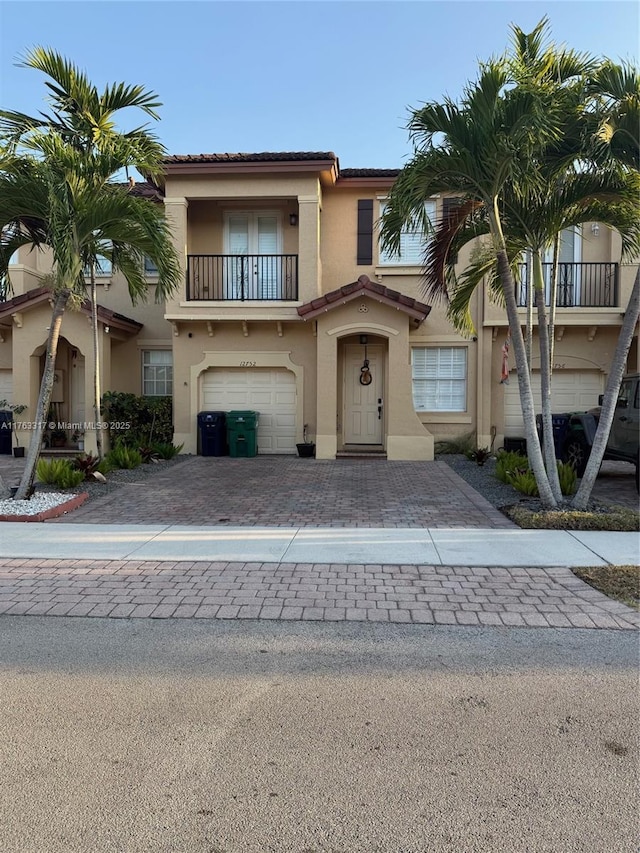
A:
x,y
530,291
616,372
553,289
524,380
545,380
46,386
96,363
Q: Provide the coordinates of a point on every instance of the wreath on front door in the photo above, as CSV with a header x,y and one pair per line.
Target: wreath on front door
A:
x,y
365,374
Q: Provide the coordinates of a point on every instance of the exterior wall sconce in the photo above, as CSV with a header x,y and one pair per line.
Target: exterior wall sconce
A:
x,y
595,229
293,219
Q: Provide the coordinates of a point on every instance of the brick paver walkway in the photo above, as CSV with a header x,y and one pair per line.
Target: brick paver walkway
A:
x,y
520,597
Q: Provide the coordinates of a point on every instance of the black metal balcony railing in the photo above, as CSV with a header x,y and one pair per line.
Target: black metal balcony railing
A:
x,y
238,278
589,285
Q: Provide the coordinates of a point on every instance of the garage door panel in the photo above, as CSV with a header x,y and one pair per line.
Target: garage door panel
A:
x,y
571,391
271,393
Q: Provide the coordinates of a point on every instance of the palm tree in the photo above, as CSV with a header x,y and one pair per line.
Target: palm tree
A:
x,y
65,198
86,120
615,121
473,149
512,155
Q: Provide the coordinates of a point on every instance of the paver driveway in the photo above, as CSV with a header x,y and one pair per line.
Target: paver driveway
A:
x,y
291,492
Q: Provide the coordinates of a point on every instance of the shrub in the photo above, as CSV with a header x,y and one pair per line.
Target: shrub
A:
x,y
464,444
522,480
58,472
137,421
89,464
507,461
148,454
167,450
568,478
124,457
49,471
480,455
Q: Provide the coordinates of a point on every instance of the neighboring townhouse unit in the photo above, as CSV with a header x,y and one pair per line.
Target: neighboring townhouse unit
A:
x,y
290,308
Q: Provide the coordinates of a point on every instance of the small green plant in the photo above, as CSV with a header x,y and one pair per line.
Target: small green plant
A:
x,y
167,450
124,457
568,478
523,480
58,472
507,461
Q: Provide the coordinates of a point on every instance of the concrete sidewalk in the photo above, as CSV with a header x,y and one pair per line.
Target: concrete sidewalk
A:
x,y
511,547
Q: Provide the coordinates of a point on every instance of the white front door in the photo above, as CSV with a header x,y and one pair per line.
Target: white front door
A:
x,y
363,404
254,237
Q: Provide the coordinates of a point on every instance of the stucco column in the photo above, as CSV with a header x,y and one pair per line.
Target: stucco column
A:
x,y
309,271
327,401
176,213
484,351
407,437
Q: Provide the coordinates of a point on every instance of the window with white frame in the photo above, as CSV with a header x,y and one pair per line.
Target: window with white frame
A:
x,y
413,242
157,372
150,269
439,379
102,266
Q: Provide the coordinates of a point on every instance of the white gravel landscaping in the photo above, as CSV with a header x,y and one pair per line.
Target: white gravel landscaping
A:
x,y
40,502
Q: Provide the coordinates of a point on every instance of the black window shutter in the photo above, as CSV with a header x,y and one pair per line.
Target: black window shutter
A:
x,y
365,231
448,206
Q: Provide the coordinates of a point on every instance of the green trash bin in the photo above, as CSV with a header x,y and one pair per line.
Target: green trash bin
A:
x,y
242,433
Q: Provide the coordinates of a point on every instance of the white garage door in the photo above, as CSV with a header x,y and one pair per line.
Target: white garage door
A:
x,y
6,384
271,393
571,391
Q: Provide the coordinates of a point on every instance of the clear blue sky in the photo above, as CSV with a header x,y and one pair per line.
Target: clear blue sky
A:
x,y
294,76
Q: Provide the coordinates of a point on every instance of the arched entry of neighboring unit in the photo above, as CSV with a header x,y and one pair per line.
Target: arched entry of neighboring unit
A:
x,y
68,398
363,365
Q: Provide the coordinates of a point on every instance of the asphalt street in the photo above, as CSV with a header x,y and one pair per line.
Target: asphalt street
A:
x,y
242,736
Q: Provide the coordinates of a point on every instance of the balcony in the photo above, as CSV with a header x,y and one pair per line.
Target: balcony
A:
x,y
588,285
242,278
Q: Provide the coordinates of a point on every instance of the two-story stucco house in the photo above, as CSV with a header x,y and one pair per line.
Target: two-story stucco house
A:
x,y
287,294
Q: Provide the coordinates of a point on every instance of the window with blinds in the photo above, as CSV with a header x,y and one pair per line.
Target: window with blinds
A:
x,y
439,379
157,373
412,243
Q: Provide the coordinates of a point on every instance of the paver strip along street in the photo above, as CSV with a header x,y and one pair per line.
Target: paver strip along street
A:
x,y
509,597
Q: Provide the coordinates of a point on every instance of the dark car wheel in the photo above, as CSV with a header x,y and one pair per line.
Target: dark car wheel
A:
x,y
576,453
638,473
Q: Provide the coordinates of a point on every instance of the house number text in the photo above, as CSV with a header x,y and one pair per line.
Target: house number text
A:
x,y
248,364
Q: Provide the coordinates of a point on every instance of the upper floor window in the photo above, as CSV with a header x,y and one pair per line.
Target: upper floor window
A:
x,y
157,372
439,378
150,269
102,268
412,242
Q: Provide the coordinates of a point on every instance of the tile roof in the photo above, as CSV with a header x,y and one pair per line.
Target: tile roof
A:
x,y
364,286
42,294
264,156
369,173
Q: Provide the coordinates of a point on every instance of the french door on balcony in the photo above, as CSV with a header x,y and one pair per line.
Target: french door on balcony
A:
x,y
254,240
568,294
